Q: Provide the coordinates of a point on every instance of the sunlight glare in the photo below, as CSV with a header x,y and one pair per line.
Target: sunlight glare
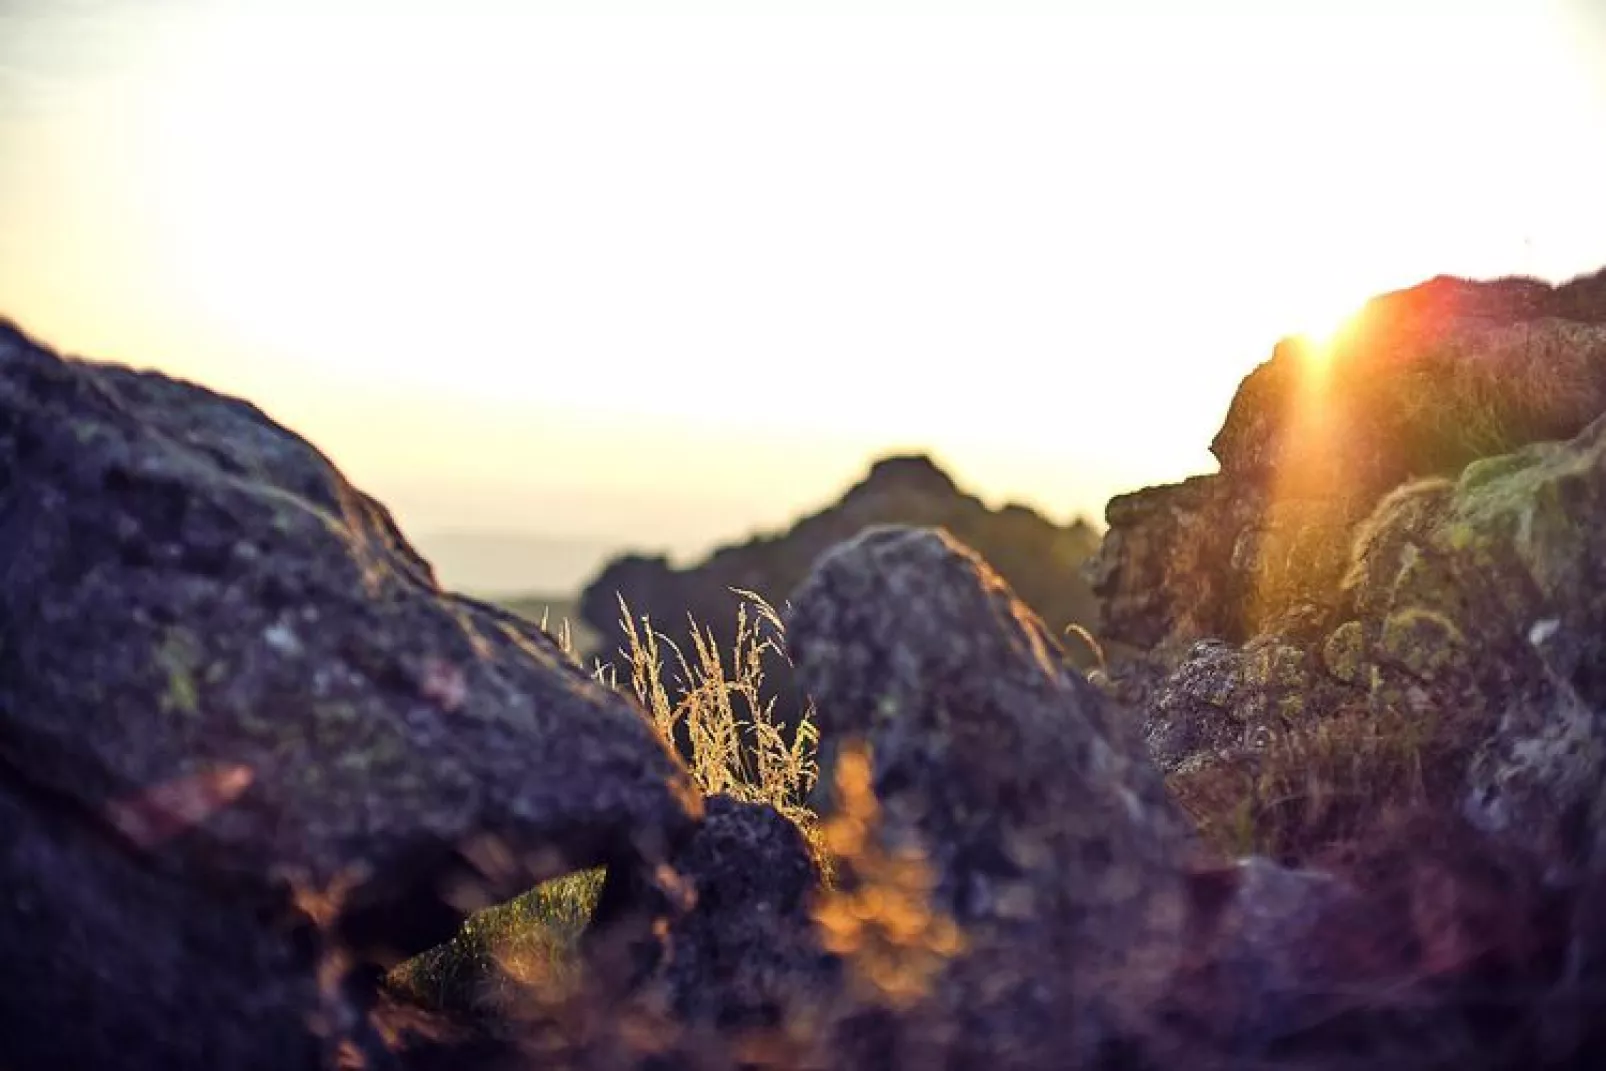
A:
x,y
1324,324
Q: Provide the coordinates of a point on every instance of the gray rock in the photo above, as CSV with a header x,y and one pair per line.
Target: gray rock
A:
x,y
1010,864
249,751
746,955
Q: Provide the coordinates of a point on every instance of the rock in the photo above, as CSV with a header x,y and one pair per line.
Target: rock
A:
x,y
1204,707
1042,559
745,955
1443,335
1425,946
1425,382
1009,864
1267,953
747,952
1161,571
250,754
1390,583
1496,609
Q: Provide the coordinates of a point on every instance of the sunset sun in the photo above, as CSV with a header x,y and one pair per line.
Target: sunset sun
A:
x,y
1323,318
1324,327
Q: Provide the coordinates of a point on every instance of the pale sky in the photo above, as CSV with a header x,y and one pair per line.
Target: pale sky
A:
x,y
658,279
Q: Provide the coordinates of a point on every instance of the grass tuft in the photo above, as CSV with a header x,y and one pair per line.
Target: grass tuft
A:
x,y
717,715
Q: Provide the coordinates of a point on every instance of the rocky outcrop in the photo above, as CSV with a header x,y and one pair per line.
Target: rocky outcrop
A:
x,y
1395,564
1424,382
1484,598
250,754
1041,559
1009,864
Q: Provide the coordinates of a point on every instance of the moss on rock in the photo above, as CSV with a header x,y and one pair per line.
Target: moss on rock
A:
x,y
1344,653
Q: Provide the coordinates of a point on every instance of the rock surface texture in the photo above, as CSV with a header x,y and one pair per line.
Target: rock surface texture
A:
x,y
746,953
1010,864
249,752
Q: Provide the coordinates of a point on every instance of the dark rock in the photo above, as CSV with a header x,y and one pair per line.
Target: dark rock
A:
x,y
1181,535
1009,864
746,953
747,950
1267,953
1424,946
249,752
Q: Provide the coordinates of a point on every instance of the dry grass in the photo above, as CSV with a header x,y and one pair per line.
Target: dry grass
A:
x,y
716,713
1326,784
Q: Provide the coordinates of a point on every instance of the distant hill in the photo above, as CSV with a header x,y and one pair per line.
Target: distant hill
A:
x,y
495,564
1040,559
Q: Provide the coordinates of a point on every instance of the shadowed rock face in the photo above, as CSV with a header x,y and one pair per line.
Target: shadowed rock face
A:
x,y
248,748
1011,873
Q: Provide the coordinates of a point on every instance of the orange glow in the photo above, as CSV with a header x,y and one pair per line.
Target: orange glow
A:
x,y
1298,534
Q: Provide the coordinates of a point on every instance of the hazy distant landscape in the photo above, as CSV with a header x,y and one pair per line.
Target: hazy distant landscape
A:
x,y
500,564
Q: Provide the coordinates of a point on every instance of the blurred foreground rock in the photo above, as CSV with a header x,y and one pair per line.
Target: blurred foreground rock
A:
x,y
1010,867
250,754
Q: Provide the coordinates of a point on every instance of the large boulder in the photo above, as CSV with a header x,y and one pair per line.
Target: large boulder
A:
x,y
1009,875
250,753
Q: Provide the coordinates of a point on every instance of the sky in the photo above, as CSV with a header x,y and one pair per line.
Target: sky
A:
x,y
658,275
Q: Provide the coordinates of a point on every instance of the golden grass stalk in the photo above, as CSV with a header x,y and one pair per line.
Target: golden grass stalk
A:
x,y
734,746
